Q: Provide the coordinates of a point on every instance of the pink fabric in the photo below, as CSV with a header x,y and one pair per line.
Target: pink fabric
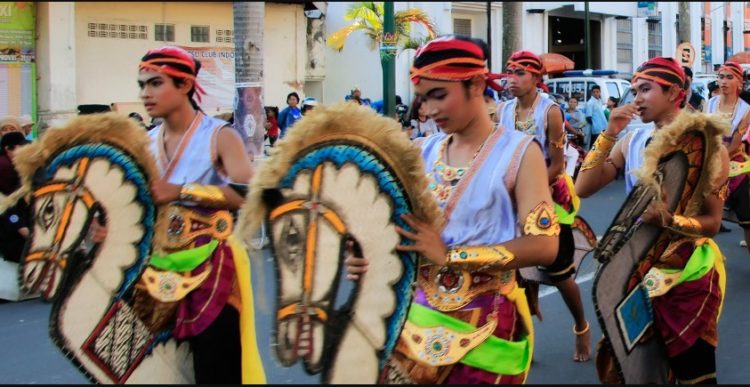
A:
x,y
200,307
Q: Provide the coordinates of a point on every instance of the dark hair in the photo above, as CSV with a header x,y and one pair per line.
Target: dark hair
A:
x,y
12,139
665,89
614,99
292,94
688,71
414,109
274,109
573,97
595,87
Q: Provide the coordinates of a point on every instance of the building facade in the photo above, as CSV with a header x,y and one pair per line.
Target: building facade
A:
x,y
88,52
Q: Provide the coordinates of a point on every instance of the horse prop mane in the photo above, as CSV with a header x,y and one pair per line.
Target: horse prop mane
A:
x,y
342,173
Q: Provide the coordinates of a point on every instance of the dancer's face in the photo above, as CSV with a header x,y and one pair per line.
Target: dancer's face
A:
x,y
159,93
729,84
521,82
449,103
652,101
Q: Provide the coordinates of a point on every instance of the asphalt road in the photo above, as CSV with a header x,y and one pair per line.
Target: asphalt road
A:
x,y
29,357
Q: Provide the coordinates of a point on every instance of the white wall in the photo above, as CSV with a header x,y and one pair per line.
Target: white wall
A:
x,y
738,15
356,64
696,38
56,60
717,33
668,12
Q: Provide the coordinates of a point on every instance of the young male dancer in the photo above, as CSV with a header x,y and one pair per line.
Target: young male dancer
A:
x,y
737,112
542,118
685,314
204,174
491,183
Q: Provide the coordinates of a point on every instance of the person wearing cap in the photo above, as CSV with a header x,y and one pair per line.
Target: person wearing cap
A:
x,y
491,183
309,103
10,124
736,112
531,113
685,310
27,126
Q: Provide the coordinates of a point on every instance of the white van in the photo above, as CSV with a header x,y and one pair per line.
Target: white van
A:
x,y
580,87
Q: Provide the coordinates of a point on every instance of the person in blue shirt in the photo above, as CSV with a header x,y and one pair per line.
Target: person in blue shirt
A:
x,y
595,114
290,114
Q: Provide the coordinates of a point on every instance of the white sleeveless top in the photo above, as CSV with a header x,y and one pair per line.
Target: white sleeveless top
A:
x,y
194,161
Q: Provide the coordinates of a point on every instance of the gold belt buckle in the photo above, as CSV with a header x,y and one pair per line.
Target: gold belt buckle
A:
x,y
440,346
185,225
168,286
450,288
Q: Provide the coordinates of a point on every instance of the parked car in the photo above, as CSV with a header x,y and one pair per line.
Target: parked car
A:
x,y
579,87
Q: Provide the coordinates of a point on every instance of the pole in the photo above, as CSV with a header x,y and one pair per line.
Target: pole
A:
x,y
489,34
587,34
389,64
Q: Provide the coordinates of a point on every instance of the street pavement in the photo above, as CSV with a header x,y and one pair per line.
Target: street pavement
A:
x,y
29,357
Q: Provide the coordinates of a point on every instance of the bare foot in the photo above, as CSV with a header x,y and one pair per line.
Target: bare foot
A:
x,y
583,344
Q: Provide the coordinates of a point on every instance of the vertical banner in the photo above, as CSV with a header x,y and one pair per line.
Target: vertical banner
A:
x,y
250,116
18,59
216,77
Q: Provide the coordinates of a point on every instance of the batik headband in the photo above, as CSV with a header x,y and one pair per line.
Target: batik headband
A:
x,y
175,62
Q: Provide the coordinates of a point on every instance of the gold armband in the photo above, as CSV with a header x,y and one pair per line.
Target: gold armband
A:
x,y
560,143
207,195
542,220
686,226
496,255
599,152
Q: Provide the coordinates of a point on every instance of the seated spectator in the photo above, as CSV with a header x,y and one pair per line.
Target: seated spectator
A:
x,y
27,126
14,221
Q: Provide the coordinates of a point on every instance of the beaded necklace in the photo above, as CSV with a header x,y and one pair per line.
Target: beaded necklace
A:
x,y
528,125
448,176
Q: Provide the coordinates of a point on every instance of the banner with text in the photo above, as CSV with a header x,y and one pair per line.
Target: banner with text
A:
x,y
216,77
17,24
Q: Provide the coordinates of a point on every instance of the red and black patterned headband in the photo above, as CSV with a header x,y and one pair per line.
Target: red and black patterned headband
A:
x,y
174,62
664,71
449,58
732,67
526,60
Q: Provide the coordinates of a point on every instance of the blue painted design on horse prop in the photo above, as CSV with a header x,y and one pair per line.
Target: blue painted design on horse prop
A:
x,y
368,162
132,173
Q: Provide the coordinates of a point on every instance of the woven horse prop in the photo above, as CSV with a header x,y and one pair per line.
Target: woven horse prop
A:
x,y
342,173
96,166
679,166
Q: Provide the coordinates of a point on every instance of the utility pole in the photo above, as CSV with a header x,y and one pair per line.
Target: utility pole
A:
x,y
587,34
489,34
683,22
388,60
512,30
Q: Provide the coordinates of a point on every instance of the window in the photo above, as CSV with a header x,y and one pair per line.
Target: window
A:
x,y
224,36
563,88
578,90
116,31
164,32
199,34
654,39
462,27
625,45
613,90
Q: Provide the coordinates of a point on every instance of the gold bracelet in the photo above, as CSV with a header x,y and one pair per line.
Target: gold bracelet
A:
x,y
208,195
560,143
686,226
582,331
599,152
495,255
542,220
